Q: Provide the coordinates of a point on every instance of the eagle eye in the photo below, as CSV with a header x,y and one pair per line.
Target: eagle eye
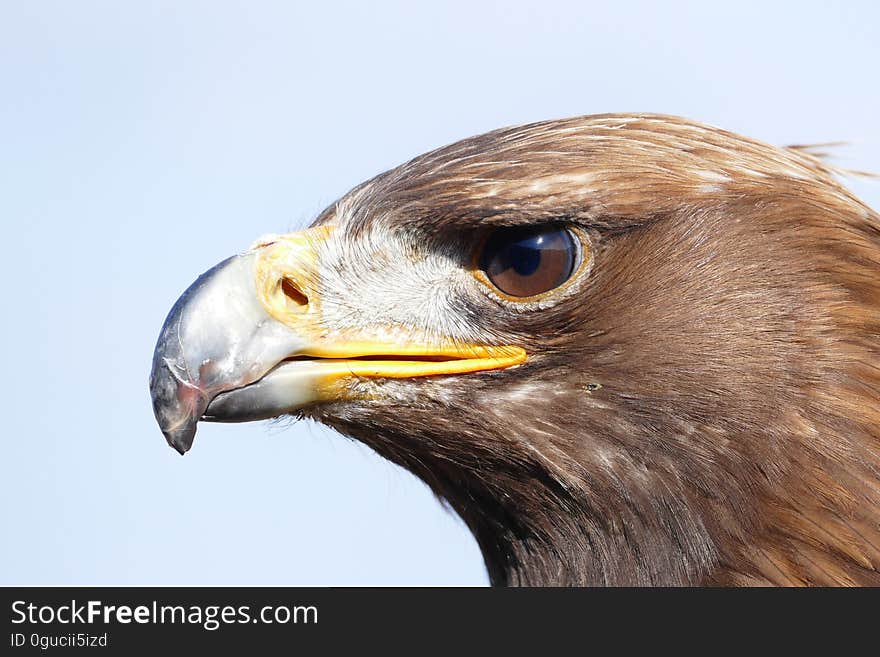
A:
x,y
527,261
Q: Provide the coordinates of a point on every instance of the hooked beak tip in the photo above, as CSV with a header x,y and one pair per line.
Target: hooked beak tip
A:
x,y
177,408
181,439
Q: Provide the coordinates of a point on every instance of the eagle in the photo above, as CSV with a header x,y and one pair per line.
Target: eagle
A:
x,y
626,349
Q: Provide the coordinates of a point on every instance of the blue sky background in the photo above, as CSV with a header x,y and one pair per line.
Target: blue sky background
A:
x,y
142,142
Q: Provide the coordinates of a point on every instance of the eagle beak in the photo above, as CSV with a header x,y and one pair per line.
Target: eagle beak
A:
x,y
245,342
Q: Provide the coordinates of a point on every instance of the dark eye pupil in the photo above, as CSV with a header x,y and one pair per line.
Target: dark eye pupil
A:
x,y
524,257
523,262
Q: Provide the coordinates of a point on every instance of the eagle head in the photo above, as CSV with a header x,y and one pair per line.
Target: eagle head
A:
x,y
626,349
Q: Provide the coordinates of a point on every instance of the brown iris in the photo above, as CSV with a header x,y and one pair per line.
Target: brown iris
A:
x,y
531,260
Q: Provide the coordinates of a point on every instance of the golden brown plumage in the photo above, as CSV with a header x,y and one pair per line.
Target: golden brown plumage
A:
x,y
702,408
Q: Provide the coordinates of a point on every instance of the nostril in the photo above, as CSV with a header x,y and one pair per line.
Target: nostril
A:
x,y
293,293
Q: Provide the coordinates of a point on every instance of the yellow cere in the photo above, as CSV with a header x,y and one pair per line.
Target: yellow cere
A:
x,y
286,274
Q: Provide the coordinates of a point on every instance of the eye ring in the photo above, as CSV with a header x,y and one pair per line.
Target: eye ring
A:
x,y
523,264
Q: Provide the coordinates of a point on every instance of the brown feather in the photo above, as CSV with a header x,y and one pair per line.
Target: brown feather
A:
x,y
732,320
